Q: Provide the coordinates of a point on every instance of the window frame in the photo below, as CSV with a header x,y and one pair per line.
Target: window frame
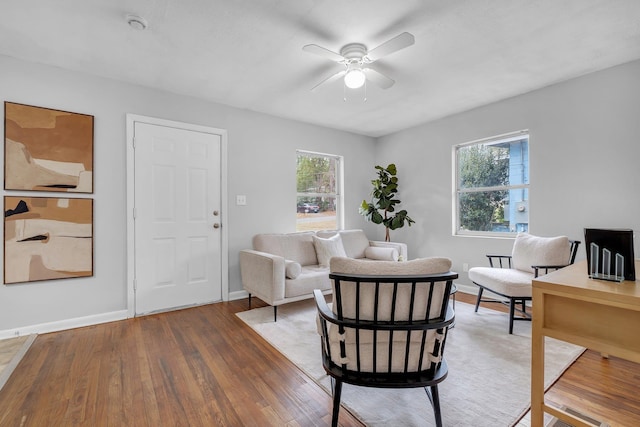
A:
x,y
506,137
339,186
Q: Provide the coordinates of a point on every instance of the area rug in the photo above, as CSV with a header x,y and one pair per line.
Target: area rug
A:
x,y
11,352
489,370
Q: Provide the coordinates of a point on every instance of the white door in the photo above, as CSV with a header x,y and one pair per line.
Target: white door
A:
x,y
177,217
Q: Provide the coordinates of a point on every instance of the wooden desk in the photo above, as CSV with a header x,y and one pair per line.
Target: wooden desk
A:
x,y
597,314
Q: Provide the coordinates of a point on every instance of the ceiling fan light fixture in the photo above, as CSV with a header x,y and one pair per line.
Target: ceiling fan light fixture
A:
x,y
354,78
355,56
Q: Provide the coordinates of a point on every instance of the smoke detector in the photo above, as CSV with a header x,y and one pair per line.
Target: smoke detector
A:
x,y
137,22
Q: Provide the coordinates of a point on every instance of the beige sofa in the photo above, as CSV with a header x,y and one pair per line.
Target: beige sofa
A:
x,y
287,267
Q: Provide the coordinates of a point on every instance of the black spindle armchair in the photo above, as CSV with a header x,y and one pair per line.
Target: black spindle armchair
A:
x,y
387,328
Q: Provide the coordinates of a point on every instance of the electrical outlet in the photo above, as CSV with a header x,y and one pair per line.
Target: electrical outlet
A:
x,y
465,267
241,200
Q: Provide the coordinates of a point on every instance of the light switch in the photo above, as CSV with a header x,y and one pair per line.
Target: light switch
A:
x,y
241,200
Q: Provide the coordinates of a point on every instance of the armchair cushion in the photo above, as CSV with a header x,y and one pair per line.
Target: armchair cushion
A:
x,y
506,281
390,268
328,248
381,254
387,268
531,250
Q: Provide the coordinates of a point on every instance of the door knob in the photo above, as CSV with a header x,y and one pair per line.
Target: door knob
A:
x,y
215,213
216,225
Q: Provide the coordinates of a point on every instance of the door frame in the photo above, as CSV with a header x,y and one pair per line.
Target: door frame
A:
x,y
132,119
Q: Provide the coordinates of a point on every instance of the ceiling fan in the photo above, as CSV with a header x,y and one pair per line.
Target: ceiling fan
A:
x,y
356,59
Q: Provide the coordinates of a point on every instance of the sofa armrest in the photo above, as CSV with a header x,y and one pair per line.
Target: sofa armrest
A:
x,y
400,247
262,275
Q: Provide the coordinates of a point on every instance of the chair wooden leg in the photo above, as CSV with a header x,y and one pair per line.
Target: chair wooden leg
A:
x,y
479,297
512,314
337,392
434,398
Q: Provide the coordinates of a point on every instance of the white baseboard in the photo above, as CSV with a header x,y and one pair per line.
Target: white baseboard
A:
x,y
62,325
467,289
238,295
79,322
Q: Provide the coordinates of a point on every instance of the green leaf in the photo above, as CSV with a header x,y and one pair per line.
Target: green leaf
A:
x,y
376,217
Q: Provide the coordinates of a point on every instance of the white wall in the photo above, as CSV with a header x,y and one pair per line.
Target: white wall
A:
x,y
584,147
584,153
261,164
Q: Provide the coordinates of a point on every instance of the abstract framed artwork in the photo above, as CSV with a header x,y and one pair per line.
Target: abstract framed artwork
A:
x,y
47,150
47,238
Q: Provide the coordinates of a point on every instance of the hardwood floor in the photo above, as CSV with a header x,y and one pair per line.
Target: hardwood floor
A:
x,y
196,367
204,367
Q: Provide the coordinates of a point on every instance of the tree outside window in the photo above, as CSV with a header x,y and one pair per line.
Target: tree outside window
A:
x,y
492,185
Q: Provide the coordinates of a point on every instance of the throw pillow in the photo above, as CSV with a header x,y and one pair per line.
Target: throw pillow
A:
x,y
292,269
381,254
531,250
328,248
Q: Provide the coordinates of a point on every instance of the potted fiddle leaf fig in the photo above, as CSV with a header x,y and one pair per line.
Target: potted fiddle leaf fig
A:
x,y
382,208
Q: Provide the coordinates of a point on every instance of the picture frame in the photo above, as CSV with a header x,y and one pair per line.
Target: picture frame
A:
x,y
47,149
47,238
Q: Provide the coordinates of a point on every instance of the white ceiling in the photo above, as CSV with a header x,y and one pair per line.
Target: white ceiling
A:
x,y
248,53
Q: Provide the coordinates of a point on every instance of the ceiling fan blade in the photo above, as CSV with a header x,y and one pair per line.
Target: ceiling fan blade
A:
x,y
390,46
326,53
329,79
378,78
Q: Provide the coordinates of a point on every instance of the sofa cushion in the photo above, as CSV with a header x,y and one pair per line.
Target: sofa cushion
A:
x,y
292,269
328,248
506,281
381,254
531,250
296,247
355,242
311,277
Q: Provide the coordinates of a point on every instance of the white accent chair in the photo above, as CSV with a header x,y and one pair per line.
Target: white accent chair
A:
x,y
510,276
387,326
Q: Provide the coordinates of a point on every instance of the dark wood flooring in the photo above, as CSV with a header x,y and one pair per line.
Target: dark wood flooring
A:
x,y
203,367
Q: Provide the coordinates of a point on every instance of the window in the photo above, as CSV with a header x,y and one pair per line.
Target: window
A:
x,y
319,196
492,185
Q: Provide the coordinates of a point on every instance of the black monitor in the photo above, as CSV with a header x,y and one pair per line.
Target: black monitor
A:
x,y
609,245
